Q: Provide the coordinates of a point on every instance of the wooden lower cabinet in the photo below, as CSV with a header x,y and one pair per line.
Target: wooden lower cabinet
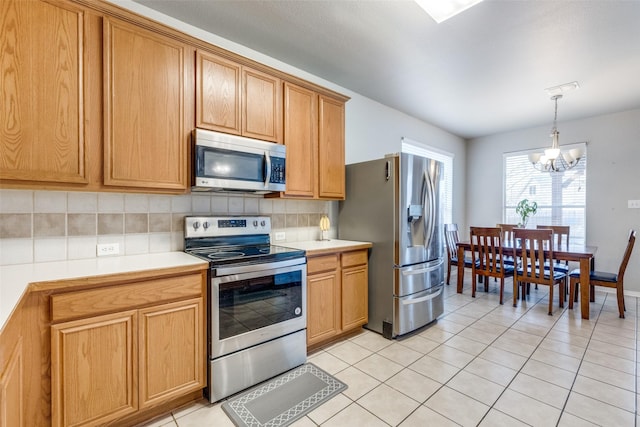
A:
x,y
170,351
337,294
94,369
110,367
323,306
12,389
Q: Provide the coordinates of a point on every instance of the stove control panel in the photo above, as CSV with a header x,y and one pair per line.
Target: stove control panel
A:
x,y
213,226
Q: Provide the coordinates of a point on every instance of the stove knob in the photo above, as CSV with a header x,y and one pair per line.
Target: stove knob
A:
x,y
196,225
205,225
263,223
255,223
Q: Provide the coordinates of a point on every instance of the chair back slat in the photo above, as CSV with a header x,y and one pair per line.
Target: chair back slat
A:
x,y
627,254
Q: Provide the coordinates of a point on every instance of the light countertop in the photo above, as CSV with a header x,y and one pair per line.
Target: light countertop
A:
x,y
15,279
315,247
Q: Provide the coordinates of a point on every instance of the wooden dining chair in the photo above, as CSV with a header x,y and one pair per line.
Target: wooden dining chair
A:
x,y
507,237
560,240
486,251
600,278
507,232
451,239
532,254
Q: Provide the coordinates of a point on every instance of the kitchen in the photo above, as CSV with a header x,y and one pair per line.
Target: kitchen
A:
x,y
366,121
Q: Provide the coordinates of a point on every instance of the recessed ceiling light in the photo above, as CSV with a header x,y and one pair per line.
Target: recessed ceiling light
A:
x,y
441,10
562,89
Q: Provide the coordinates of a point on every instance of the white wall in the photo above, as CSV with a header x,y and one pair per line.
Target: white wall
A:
x,y
613,177
371,129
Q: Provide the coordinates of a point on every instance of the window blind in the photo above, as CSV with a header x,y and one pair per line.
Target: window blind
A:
x,y
561,197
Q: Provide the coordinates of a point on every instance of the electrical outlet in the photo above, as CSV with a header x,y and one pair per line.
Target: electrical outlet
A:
x,y
105,249
280,235
633,204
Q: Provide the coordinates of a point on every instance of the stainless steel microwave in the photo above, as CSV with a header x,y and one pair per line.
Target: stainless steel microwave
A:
x,y
224,162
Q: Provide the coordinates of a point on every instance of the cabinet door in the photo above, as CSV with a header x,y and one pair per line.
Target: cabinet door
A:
x,y
331,167
323,306
94,369
147,77
218,91
301,140
261,106
354,297
41,100
172,358
12,396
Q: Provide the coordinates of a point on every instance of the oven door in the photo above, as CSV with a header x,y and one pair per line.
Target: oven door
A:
x,y
258,306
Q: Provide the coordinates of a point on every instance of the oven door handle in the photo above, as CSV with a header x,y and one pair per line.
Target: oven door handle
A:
x,y
250,268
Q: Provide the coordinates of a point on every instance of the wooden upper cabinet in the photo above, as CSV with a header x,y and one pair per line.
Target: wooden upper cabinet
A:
x,y
314,137
235,99
331,162
301,140
261,105
217,94
148,89
41,101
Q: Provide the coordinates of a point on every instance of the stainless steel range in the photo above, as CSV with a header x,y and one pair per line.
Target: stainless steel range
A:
x,y
257,313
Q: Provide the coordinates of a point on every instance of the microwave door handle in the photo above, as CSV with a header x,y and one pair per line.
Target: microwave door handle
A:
x,y
267,178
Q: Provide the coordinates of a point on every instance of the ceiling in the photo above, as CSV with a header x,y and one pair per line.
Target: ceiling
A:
x,y
481,72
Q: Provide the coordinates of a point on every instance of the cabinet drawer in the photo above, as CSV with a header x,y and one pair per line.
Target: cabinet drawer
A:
x,y
354,258
123,297
322,263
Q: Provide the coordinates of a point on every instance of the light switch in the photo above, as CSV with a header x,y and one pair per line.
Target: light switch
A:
x,y
633,204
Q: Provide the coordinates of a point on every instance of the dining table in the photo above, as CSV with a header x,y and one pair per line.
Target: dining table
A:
x,y
582,254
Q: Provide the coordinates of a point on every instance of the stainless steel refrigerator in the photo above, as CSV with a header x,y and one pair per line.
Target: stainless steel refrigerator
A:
x,y
395,203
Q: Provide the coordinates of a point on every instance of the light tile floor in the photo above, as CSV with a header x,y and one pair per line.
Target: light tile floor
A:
x,y
483,364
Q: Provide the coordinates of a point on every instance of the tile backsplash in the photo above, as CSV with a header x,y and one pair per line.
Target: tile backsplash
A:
x,y
40,226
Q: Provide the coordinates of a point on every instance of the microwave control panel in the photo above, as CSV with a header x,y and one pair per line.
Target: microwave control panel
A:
x,y
277,170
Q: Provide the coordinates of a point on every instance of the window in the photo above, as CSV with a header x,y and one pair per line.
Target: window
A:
x,y
561,197
446,183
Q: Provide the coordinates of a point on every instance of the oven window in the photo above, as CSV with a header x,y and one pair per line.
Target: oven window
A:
x,y
225,164
250,304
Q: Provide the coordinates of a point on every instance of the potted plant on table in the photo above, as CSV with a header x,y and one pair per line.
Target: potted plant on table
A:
x,y
525,209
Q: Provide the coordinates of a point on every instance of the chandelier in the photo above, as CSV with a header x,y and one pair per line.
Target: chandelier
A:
x,y
553,159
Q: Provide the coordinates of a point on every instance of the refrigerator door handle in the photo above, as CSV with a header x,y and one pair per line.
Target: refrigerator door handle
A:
x,y
422,299
429,210
423,270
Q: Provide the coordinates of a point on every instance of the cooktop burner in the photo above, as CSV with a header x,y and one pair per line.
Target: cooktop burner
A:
x,y
234,254
234,240
224,254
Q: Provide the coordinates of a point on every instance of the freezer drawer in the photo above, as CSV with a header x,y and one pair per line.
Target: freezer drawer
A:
x,y
418,277
414,311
